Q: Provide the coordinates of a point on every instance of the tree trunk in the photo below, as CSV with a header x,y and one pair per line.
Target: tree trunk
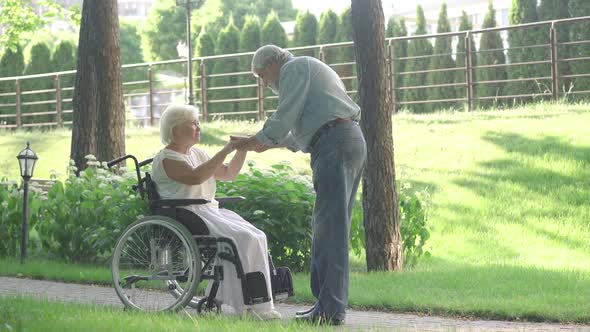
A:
x,y
99,116
380,204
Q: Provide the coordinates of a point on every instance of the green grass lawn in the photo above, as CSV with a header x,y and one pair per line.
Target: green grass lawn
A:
x,y
509,209
26,314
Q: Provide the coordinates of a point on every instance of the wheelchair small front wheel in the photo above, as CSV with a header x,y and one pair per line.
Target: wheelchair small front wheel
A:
x,y
152,255
205,306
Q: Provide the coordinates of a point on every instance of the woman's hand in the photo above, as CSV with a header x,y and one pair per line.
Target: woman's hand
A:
x,y
229,147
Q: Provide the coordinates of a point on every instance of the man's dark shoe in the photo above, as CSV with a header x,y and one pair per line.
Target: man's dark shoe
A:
x,y
304,312
319,319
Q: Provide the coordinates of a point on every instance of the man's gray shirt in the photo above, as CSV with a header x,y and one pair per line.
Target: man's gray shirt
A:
x,y
310,95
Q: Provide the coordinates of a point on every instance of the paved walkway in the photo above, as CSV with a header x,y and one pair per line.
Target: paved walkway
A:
x,y
355,320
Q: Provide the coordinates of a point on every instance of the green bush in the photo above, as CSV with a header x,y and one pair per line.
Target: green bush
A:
x,y
82,219
11,216
280,204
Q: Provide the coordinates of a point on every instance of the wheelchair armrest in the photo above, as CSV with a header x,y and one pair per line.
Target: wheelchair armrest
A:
x,y
177,202
224,200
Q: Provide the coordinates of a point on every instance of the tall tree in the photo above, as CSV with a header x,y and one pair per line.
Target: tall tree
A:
x,y
64,59
12,63
417,48
306,31
554,10
460,75
99,116
521,12
328,34
490,53
397,28
227,42
580,32
165,25
131,52
380,203
347,72
273,32
442,60
249,41
39,62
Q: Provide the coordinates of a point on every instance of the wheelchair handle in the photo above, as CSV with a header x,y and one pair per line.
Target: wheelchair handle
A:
x,y
137,166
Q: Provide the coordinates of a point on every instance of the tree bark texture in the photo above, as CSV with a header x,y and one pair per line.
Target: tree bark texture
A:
x,y
380,204
99,114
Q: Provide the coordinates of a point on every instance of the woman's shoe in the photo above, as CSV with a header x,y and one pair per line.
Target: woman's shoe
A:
x,y
266,315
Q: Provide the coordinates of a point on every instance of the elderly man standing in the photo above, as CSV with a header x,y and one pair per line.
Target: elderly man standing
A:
x,y
316,115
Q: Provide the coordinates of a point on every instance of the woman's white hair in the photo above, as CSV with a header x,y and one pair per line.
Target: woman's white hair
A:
x,y
266,54
172,117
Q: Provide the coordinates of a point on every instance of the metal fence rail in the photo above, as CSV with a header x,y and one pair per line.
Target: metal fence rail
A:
x,y
150,87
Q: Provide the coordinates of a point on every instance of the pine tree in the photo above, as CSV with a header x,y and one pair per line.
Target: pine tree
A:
x,y
227,43
12,63
249,41
205,46
464,25
273,32
39,63
64,59
417,47
553,10
346,54
131,52
306,31
521,12
329,34
443,50
400,50
580,31
490,41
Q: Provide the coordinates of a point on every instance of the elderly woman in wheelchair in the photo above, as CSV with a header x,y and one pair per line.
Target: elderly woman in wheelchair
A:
x,y
189,237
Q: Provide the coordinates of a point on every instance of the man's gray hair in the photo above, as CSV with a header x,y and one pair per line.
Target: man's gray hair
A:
x,y
172,117
268,53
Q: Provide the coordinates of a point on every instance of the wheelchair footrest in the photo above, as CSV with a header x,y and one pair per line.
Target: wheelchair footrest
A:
x,y
254,288
282,283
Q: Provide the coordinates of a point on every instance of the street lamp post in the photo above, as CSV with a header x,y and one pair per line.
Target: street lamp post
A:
x,y
189,4
26,160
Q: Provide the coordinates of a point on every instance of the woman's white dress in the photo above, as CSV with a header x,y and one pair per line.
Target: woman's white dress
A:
x,y
250,241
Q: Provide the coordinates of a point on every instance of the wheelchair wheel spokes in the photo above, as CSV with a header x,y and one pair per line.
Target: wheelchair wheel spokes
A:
x,y
155,255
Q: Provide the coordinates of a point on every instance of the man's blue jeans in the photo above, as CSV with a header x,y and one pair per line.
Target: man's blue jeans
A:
x,y
337,161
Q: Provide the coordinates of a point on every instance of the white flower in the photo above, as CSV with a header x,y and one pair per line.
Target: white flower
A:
x,y
90,157
4,205
105,165
72,162
106,198
93,163
102,185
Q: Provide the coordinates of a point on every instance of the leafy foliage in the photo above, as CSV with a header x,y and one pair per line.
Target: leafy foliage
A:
x,y
83,217
397,28
280,204
165,25
250,40
328,34
11,214
227,42
39,63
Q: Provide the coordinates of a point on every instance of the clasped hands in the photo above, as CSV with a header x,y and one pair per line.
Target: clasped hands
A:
x,y
248,143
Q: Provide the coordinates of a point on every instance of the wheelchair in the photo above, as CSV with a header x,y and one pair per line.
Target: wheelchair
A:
x,y
159,260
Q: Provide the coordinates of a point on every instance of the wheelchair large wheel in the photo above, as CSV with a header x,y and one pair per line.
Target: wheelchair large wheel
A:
x,y
153,256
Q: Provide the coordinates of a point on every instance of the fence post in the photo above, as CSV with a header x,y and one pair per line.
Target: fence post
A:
x,y
469,71
554,63
203,91
322,54
392,76
58,107
151,87
18,112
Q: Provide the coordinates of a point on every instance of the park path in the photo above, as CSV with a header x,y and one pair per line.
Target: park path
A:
x,y
355,319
